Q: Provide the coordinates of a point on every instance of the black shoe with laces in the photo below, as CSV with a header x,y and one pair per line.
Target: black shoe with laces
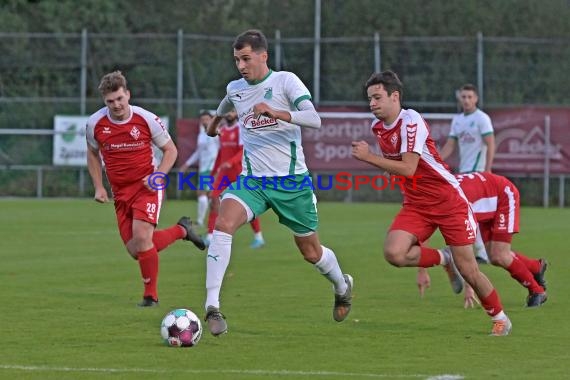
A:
x,y
191,235
148,301
536,299
216,321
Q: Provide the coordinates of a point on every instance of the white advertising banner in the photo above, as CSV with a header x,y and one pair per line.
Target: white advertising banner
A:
x,y
69,145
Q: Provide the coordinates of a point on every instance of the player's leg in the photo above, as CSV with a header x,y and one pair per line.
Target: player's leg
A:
x,y
465,260
326,263
145,208
147,257
238,206
202,199
536,266
296,208
258,240
459,230
480,251
212,215
402,246
501,256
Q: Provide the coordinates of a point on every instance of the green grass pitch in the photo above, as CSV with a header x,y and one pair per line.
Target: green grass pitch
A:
x,y
68,291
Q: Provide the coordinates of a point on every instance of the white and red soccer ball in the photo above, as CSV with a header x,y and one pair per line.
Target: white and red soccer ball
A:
x,y
181,328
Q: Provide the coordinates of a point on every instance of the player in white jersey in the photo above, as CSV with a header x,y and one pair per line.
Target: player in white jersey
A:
x,y
272,107
205,155
472,132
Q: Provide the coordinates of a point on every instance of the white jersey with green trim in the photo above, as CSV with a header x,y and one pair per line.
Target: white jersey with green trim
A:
x,y
469,131
271,147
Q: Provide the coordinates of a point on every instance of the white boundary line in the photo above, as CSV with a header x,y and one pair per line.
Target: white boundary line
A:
x,y
257,372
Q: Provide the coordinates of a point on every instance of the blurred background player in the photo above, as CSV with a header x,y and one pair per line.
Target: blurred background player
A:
x,y
272,107
122,135
472,133
226,170
436,201
496,204
205,156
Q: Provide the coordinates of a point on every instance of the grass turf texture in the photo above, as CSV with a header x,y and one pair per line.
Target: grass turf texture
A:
x,y
69,290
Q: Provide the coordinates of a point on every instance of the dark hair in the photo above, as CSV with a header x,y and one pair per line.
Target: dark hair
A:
x,y
204,113
112,82
254,38
470,87
389,80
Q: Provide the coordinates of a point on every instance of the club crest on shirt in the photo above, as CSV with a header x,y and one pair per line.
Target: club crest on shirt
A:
x,y
135,133
394,139
268,93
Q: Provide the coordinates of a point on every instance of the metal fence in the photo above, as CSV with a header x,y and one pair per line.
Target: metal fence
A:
x,y
179,72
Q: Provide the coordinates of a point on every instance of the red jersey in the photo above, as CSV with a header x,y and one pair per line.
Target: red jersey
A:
x,y
231,148
126,146
486,192
410,133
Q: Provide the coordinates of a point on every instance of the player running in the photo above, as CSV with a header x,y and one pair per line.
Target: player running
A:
x,y
435,201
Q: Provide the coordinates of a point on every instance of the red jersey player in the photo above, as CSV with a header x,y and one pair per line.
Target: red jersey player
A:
x,y
434,200
226,170
496,204
122,136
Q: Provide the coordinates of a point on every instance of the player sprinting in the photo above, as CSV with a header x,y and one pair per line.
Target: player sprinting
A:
x,y
122,135
205,156
496,203
435,200
271,107
225,171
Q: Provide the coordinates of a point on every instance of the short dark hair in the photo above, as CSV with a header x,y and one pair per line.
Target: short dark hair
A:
x,y
252,37
205,113
389,80
469,87
112,82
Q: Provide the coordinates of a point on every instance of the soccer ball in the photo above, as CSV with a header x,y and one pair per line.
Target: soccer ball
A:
x,y
181,328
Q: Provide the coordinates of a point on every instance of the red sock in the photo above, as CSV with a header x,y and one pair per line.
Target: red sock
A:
x,y
520,272
491,303
212,221
148,263
255,225
533,265
163,238
429,257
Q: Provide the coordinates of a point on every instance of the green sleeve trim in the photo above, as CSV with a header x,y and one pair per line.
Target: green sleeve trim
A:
x,y
486,134
300,99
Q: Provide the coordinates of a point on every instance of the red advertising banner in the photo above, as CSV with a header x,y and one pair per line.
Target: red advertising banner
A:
x,y
186,138
519,134
521,142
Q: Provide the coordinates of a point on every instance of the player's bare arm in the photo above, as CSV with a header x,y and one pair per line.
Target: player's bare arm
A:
x,y
406,167
489,140
448,148
96,172
212,129
168,159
